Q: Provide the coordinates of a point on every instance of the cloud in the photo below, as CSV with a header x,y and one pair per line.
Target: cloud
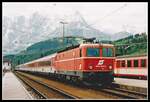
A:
x,y
108,17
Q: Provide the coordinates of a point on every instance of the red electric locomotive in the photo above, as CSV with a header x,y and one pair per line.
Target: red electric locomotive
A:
x,y
89,62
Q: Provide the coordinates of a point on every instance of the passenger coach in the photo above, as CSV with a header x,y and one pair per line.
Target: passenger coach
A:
x,y
131,67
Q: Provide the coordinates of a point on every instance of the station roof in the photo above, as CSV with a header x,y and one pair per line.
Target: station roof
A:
x,y
6,60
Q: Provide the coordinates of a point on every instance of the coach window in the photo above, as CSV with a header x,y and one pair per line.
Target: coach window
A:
x,y
128,63
49,63
143,63
135,63
118,64
123,63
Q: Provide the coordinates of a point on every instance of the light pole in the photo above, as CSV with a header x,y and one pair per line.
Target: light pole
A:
x,y
63,23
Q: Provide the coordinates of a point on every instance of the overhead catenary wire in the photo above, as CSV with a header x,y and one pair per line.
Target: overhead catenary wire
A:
x,y
108,15
130,44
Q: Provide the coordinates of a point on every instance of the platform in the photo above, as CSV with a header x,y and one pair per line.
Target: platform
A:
x,y
132,84
12,88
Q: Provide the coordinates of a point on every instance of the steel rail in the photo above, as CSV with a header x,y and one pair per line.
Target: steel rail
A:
x,y
33,88
124,93
138,94
68,95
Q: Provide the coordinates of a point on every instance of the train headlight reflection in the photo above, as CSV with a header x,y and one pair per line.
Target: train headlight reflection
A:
x,y
90,67
110,67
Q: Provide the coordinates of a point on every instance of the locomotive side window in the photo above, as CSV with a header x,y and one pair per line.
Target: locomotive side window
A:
x,y
107,52
93,52
123,63
135,63
80,53
128,63
143,63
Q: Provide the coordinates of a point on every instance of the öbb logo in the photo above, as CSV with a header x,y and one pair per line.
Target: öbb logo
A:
x,y
101,62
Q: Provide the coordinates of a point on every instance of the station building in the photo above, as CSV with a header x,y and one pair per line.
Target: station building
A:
x,y
6,65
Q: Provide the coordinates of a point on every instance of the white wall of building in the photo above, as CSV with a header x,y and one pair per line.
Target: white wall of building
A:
x,y
6,65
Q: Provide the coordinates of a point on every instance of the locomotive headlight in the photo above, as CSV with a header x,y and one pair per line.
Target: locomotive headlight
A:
x,y
90,67
110,67
80,66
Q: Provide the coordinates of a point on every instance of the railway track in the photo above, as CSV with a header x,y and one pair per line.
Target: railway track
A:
x,y
125,93
115,90
78,92
38,94
43,90
120,92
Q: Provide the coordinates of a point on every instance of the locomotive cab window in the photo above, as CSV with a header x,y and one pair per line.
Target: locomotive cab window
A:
x,y
93,52
107,52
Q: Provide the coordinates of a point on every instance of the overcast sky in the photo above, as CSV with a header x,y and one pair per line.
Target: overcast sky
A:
x,y
110,17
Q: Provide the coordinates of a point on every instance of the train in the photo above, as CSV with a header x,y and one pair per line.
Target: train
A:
x,y
91,63
133,67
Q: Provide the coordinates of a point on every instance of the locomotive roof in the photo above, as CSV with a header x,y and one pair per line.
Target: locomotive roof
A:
x,y
96,45
84,45
68,48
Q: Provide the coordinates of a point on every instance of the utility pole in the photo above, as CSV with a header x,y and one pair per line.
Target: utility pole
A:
x,y
63,23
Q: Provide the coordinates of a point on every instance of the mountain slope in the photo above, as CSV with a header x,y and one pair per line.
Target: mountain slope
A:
x,y
21,32
120,35
132,45
42,49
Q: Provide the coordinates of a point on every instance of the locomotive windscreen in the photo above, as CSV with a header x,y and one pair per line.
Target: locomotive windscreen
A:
x,y
107,52
93,52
